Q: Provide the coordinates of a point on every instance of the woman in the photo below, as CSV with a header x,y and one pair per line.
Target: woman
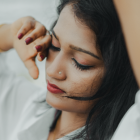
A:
x,y
89,78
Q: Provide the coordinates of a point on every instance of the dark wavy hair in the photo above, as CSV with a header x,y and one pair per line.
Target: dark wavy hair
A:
x,y
117,91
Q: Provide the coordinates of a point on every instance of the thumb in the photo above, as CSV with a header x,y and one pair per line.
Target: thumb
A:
x,y
32,68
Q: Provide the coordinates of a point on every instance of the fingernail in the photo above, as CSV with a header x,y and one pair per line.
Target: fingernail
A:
x,y
28,40
42,56
38,48
20,36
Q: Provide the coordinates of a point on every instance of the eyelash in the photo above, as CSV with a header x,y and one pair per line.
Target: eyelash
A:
x,y
52,47
79,66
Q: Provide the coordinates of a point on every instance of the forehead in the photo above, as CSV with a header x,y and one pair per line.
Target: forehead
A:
x,y
70,29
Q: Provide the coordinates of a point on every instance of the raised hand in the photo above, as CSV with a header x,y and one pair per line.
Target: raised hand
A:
x,y
30,39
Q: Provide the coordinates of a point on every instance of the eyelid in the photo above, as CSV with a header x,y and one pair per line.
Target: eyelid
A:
x,y
55,42
81,64
54,48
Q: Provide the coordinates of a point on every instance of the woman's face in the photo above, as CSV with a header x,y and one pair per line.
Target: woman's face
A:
x,y
79,60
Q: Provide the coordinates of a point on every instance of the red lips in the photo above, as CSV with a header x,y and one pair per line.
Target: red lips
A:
x,y
53,88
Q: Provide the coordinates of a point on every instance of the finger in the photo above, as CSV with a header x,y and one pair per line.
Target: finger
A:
x,y
39,45
35,47
28,25
32,68
41,56
39,30
43,44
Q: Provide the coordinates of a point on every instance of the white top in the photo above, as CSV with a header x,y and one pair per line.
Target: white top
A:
x,y
129,127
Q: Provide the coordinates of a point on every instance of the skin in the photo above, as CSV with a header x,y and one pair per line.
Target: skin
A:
x,y
72,80
129,14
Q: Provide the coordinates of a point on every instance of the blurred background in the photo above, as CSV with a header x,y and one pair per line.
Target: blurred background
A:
x,y
42,10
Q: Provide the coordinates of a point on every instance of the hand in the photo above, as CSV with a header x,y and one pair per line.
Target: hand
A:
x,y
30,40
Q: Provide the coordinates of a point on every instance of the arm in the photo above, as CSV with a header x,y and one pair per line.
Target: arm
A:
x,y
129,14
5,37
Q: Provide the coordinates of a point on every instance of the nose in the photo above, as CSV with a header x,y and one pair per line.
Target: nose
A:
x,y
56,68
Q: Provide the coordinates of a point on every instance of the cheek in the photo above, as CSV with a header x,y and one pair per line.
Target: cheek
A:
x,y
85,83
79,86
69,105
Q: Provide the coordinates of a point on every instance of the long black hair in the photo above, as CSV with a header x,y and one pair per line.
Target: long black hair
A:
x,y
117,91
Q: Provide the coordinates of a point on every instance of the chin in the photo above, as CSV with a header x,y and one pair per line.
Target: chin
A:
x,y
56,101
60,103
65,104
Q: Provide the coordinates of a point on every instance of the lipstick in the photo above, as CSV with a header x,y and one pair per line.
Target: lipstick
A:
x,y
53,88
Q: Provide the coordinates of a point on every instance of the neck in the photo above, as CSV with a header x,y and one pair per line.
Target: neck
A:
x,y
70,121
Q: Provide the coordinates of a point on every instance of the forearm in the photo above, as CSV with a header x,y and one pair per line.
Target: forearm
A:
x,y
6,37
129,14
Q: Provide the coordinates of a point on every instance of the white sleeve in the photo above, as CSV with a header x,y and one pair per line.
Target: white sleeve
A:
x,y
2,64
129,127
14,94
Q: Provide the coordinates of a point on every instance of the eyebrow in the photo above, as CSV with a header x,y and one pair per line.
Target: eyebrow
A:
x,y
79,49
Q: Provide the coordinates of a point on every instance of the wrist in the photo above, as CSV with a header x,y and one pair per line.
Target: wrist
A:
x,y
10,36
6,41
6,37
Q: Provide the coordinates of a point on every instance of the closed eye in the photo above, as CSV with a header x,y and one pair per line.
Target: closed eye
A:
x,y
80,66
52,47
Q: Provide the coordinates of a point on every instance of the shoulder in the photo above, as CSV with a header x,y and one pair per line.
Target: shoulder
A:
x,y
34,109
36,119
